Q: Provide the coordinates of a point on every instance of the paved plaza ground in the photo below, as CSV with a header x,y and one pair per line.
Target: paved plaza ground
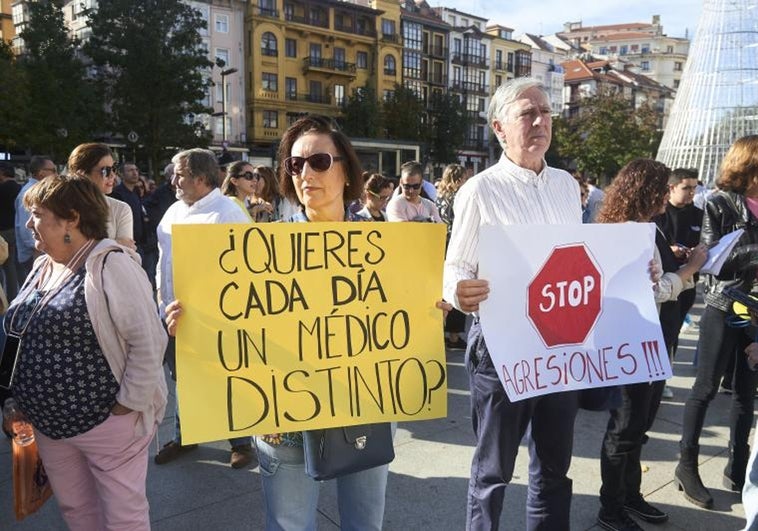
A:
x,y
427,483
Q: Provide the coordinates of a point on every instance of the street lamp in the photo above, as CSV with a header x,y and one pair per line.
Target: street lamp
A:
x,y
224,72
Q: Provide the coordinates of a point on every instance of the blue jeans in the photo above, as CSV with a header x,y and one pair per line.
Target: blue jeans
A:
x,y
291,496
170,360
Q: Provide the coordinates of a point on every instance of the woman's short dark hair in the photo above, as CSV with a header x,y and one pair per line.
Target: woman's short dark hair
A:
x,y
740,165
84,157
376,183
70,196
325,126
636,193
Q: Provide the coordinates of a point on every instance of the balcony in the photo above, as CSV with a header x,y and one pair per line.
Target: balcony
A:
x,y
502,66
322,99
265,12
364,30
393,38
390,72
475,144
329,66
466,59
439,52
436,78
269,52
471,87
312,20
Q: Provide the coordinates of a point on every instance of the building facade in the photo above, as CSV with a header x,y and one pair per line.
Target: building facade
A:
x,y
546,67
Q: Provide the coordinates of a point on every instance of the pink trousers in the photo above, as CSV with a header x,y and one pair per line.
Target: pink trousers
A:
x,y
98,477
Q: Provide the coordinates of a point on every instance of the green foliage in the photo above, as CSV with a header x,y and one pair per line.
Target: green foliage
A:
x,y
447,126
14,99
607,134
59,107
152,69
361,113
401,114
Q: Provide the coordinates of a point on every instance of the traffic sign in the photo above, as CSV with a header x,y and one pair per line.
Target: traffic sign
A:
x,y
132,137
564,299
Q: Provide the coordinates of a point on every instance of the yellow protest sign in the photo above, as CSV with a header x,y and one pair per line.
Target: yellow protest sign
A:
x,y
297,326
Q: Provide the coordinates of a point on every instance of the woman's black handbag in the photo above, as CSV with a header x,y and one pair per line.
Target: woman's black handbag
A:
x,y
336,452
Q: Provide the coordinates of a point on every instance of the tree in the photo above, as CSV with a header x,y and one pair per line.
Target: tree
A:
x,y
607,134
361,113
62,109
447,126
13,99
401,114
152,68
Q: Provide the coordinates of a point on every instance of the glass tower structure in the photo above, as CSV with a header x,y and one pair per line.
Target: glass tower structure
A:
x,y
717,100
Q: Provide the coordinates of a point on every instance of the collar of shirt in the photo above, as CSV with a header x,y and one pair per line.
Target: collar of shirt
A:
x,y
201,204
524,175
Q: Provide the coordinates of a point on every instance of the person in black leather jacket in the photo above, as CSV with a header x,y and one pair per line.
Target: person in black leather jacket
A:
x,y
734,206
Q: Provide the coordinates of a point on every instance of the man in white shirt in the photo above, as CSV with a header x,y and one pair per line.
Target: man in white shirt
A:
x,y
196,179
519,189
409,205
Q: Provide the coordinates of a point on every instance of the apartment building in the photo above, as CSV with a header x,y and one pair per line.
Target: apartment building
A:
x,y
546,67
7,32
643,45
307,56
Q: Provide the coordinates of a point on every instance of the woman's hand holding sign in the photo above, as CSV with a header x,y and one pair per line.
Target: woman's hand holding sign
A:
x,y
173,312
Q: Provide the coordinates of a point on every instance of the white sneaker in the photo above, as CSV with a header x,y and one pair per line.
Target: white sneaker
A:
x,y
668,394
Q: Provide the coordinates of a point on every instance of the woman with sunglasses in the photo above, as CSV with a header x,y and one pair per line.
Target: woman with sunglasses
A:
x,y
95,162
378,193
265,198
239,184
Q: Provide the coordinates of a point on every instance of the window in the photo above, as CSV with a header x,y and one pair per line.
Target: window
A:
x,y
669,49
413,36
315,51
457,46
389,65
361,59
339,58
623,50
339,95
481,104
678,66
646,48
498,80
645,66
388,27
411,64
387,95
222,23
315,92
499,59
290,88
290,47
270,119
603,50
635,48
220,95
268,44
223,54
270,82
676,83
509,65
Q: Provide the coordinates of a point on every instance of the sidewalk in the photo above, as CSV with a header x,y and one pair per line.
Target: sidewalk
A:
x,y
428,479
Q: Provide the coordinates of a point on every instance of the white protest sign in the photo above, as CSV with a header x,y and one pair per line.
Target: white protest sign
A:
x,y
570,307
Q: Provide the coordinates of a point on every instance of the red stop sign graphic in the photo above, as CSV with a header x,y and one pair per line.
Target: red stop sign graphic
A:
x,y
564,298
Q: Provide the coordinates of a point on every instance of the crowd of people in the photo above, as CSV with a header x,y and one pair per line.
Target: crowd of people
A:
x,y
90,280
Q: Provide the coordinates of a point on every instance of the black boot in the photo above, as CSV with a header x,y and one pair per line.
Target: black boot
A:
x,y
734,472
688,479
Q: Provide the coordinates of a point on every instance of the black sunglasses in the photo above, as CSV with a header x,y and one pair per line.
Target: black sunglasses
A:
x,y
318,162
106,171
248,176
411,186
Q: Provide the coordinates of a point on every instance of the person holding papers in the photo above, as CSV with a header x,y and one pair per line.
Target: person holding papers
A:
x,y
639,193
734,206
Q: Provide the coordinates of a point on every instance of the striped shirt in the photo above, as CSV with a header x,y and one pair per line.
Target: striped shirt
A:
x,y
505,194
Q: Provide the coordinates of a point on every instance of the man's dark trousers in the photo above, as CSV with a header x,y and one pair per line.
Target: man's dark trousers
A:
x,y
499,426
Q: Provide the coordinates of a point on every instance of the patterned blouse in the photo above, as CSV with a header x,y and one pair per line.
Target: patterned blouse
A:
x,y
62,381
296,438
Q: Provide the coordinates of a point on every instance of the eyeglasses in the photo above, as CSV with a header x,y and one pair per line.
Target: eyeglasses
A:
x,y
248,176
378,196
319,162
411,186
107,171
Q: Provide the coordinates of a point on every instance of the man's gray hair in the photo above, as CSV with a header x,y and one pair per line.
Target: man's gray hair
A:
x,y
201,164
508,93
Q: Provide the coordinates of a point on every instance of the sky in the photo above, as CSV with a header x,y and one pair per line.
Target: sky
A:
x,y
543,17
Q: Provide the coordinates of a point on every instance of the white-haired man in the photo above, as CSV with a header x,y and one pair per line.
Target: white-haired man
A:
x,y
520,189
